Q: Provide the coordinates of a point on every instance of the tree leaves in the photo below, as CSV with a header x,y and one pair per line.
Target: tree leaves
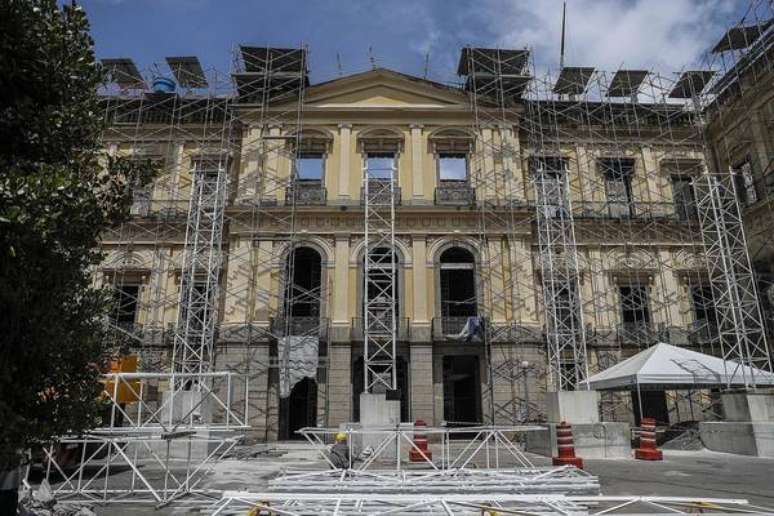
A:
x,y
55,200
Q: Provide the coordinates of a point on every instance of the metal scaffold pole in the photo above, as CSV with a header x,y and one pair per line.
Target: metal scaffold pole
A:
x,y
380,272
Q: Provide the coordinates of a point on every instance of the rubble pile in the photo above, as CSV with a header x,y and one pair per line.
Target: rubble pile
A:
x,y
41,502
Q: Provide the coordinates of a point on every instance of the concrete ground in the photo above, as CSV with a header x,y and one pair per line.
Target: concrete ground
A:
x,y
681,473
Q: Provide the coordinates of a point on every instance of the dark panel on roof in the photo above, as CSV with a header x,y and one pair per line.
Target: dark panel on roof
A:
x,y
573,80
493,86
257,87
493,61
188,71
691,83
738,38
124,72
263,59
626,83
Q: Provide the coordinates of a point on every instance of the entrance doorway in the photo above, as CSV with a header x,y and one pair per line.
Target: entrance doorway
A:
x,y
298,410
654,405
401,372
461,390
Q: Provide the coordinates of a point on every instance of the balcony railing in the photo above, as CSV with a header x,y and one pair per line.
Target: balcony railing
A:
x,y
403,330
448,326
455,193
640,333
623,210
379,190
307,193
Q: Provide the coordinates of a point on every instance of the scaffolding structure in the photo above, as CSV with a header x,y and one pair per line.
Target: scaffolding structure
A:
x,y
608,209
740,322
297,504
734,198
604,226
379,276
185,413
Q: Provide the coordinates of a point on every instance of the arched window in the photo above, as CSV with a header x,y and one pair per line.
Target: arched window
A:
x,y
458,289
303,291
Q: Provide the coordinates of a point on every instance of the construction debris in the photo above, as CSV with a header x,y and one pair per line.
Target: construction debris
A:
x,y
41,502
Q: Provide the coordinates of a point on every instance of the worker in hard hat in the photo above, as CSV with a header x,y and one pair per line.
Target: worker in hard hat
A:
x,y
340,455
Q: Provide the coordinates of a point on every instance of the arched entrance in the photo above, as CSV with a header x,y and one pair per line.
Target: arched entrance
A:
x,y
300,323
299,409
401,367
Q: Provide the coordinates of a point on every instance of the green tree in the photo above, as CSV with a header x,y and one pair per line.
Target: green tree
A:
x,y
58,192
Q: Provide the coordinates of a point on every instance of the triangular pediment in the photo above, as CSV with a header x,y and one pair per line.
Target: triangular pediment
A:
x,y
383,88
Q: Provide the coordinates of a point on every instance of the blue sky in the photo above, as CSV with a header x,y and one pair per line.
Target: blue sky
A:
x,y
665,35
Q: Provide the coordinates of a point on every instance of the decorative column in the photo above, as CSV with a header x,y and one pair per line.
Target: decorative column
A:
x,y
264,261
345,136
271,171
417,174
340,351
514,178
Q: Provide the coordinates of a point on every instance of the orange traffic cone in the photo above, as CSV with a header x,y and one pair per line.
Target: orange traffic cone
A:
x,y
647,449
564,442
420,442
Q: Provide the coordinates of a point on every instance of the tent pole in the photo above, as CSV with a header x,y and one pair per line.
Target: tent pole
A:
x,y
639,401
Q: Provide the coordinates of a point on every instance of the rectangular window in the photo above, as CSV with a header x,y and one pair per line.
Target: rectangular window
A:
x,y
125,311
549,176
703,305
381,165
453,166
634,304
684,198
310,166
618,185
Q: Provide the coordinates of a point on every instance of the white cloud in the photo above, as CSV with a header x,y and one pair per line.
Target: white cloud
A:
x,y
663,35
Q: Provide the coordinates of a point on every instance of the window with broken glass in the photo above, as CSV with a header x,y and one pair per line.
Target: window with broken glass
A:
x,y
745,184
683,197
635,312
549,174
618,174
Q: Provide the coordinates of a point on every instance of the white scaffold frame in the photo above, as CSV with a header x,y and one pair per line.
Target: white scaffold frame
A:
x,y
473,481
178,446
379,274
395,442
450,504
740,322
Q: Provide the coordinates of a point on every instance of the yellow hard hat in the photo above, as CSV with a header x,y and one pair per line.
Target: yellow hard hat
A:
x,y
341,436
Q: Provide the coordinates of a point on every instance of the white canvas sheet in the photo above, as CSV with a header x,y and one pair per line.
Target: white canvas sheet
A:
x,y
298,359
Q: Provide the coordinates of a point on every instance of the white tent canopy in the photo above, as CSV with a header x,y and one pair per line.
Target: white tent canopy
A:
x,y
664,366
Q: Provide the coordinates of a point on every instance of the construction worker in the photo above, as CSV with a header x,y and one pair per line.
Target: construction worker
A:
x,y
340,454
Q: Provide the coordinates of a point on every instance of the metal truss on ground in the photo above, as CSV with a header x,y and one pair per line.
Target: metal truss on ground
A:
x,y
168,445
290,504
472,481
480,446
380,273
164,468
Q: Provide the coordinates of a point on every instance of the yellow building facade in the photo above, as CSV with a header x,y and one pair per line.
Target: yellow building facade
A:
x,y
466,246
